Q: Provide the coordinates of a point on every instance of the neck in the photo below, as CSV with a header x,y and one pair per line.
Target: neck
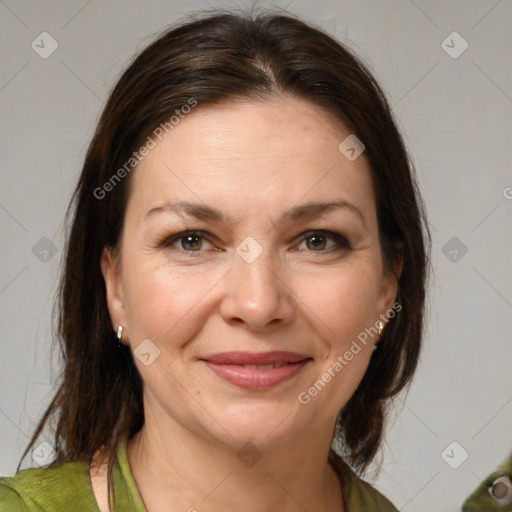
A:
x,y
175,468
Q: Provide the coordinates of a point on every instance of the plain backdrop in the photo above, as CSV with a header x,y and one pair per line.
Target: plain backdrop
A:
x,y
454,105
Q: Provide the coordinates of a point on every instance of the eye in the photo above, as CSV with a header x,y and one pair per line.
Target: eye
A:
x,y
189,241
317,241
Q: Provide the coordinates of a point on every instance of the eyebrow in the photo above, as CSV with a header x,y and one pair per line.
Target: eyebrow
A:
x,y
301,212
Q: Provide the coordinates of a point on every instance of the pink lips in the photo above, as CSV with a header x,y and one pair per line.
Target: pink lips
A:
x,y
230,367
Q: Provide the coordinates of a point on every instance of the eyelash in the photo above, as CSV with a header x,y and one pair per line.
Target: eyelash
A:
x,y
342,242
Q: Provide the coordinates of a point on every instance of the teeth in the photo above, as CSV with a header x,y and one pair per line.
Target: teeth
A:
x,y
263,366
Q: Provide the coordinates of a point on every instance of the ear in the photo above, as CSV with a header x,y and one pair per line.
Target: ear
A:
x,y
111,270
389,286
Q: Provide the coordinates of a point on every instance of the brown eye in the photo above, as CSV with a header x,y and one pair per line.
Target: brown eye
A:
x,y
191,242
318,241
188,241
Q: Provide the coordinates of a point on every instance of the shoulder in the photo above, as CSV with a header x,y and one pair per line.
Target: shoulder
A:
x,y
10,500
364,497
357,493
50,488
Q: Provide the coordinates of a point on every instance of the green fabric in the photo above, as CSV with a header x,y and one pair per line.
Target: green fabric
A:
x,y
481,500
358,495
67,486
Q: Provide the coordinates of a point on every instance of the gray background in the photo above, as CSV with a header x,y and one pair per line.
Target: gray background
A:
x,y
455,113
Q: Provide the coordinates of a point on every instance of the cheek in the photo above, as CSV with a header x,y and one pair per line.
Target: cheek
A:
x,y
343,301
159,299
344,306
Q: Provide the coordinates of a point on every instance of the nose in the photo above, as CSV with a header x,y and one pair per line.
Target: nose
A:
x,y
258,293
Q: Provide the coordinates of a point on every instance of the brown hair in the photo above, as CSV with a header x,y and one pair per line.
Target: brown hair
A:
x,y
212,59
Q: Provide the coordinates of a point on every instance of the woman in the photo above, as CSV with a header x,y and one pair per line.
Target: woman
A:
x,y
248,227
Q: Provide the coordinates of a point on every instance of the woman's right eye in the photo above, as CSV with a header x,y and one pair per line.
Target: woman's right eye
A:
x,y
188,241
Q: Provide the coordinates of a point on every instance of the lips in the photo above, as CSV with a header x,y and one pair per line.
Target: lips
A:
x,y
256,371
256,358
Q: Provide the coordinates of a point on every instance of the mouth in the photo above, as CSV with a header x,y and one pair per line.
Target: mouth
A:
x,y
256,371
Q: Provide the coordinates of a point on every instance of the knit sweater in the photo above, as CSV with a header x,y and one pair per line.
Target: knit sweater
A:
x,y
67,486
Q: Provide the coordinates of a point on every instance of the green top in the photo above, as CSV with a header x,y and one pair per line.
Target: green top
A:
x,y
57,487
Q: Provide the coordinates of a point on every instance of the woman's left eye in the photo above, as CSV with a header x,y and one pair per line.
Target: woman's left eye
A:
x,y
317,241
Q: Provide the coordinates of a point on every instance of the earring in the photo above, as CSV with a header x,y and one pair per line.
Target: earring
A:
x,y
381,325
119,336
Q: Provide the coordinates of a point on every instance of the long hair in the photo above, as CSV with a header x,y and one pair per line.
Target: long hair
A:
x,y
212,59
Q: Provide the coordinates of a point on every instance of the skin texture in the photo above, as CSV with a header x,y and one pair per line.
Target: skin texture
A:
x,y
253,161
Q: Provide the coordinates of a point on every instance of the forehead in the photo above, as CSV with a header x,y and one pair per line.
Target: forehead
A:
x,y
280,127
254,153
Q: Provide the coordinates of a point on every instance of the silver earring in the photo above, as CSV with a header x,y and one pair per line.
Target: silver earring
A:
x,y
119,336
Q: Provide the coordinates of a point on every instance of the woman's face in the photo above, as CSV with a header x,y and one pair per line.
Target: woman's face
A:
x,y
258,274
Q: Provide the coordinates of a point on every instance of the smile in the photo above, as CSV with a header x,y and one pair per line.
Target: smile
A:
x,y
256,371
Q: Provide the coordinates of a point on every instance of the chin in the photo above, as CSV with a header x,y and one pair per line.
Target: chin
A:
x,y
263,426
